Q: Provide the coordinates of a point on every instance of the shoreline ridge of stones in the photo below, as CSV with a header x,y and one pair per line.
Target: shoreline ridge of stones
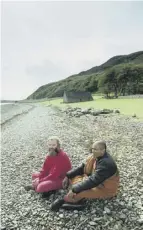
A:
x,y
78,112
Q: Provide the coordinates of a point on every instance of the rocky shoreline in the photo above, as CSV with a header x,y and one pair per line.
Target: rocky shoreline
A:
x,y
24,148
78,112
10,111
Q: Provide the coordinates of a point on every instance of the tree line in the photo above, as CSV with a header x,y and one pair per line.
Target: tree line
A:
x,y
125,80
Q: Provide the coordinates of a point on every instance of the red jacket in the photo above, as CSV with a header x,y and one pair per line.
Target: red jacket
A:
x,y
55,167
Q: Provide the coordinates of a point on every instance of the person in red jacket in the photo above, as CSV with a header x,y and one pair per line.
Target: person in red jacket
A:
x,y
55,167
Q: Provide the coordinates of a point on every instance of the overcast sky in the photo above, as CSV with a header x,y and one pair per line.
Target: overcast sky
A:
x,y
47,41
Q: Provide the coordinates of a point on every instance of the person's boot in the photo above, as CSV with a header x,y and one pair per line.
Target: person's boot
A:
x,y
28,187
46,195
80,205
73,206
57,204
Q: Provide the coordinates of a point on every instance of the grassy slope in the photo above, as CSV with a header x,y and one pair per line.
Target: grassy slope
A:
x,y
126,106
87,80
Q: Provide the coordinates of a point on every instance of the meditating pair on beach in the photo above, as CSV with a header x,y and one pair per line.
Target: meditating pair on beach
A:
x,y
97,178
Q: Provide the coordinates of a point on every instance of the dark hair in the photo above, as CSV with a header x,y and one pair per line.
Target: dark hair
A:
x,y
102,144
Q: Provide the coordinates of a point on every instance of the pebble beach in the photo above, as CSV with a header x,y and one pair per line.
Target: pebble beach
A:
x,y
25,129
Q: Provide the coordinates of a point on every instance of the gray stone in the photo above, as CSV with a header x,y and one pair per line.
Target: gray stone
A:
x,y
117,227
93,211
85,111
122,216
97,219
116,111
3,228
82,218
107,210
125,210
140,220
92,223
122,203
61,216
75,211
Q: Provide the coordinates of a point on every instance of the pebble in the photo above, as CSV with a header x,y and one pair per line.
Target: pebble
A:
x,y
75,211
97,218
61,215
122,203
82,218
92,223
140,220
116,227
107,210
93,211
122,216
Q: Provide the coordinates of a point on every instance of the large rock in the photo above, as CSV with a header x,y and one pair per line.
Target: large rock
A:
x,y
116,111
85,111
106,111
95,112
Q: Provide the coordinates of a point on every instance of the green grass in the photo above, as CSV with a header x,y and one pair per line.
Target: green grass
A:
x,y
126,106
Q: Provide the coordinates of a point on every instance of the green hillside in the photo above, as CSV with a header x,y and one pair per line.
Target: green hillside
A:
x,y
119,75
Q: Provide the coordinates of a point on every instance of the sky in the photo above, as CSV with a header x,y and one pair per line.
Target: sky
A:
x,y
43,41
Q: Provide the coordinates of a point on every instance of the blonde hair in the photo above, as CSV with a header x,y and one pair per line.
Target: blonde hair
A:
x,y
56,139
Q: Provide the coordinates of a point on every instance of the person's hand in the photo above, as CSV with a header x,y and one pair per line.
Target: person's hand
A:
x,y
65,183
71,195
35,183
